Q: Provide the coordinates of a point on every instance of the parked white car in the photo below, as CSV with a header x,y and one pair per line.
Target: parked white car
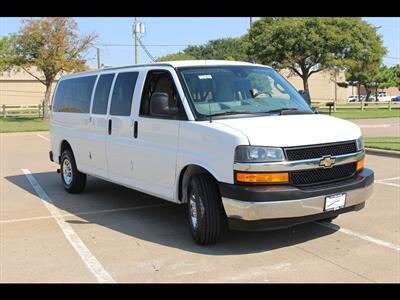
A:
x,y
233,141
353,98
384,98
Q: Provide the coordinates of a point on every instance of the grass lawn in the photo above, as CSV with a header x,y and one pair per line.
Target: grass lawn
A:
x,y
366,114
18,124
387,143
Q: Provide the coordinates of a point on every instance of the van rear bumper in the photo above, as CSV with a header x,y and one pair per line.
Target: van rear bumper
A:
x,y
271,207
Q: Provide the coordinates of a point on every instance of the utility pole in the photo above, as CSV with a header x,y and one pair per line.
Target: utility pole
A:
x,y
136,40
98,58
251,37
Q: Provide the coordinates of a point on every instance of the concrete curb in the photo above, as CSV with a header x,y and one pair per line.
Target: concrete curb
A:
x,y
381,152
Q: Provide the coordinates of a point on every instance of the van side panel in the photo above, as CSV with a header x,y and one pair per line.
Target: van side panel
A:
x,y
209,145
69,124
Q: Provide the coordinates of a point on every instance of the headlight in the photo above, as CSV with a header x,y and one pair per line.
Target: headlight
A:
x,y
360,143
258,154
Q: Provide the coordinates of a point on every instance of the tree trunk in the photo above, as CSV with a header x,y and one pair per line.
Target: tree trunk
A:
x,y
368,92
46,101
359,96
306,88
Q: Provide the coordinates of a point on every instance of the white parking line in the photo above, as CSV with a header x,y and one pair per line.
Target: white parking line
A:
x,y
87,257
360,235
93,212
386,179
383,181
388,183
43,137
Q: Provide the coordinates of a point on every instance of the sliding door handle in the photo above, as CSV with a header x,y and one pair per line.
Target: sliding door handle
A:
x,y
109,126
135,129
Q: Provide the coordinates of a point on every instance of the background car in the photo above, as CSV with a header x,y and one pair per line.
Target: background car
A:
x,y
353,98
395,99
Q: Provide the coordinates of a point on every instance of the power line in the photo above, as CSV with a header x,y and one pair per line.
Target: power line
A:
x,y
149,45
145,50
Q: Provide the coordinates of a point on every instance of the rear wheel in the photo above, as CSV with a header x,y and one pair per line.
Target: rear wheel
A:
x,y
204,209
329,219
73,180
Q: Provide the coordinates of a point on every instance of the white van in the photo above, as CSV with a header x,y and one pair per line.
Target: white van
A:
x,y
234,141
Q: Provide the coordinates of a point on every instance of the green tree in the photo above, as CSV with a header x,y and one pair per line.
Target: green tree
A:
x,y
176,56
383,79
396,75
51,44
307,45
224,49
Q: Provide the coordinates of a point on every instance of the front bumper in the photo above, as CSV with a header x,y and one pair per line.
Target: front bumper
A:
x,y
270,207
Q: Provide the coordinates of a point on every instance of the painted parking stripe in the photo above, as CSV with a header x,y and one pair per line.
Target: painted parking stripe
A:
x,y
92,212
383,181
360,235
87,257
388,179
388,183
43,137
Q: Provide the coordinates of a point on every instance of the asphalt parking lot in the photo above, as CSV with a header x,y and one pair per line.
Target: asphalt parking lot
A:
x,y
113,234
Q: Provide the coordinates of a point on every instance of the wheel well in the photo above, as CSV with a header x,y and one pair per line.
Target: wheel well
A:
x,y
64,145
184,179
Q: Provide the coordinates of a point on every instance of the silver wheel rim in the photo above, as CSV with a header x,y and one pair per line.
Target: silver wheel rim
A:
x,y
193,210
67,171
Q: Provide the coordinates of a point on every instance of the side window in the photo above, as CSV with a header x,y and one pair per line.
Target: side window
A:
x,y
100,100
160,82
73,95
121,101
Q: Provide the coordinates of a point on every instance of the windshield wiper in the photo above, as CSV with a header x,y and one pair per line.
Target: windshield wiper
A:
x,y
288,111
231,112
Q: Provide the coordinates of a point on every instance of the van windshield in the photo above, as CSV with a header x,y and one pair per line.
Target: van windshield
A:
x,y
240,90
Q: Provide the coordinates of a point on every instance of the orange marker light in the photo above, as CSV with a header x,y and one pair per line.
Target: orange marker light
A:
x,y
360,164
262,177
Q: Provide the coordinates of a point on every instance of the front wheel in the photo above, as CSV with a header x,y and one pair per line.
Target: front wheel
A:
x,y
204,209
73,180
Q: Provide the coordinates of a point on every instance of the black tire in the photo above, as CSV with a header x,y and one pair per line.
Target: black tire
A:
x,y
78,182
203,193
329,219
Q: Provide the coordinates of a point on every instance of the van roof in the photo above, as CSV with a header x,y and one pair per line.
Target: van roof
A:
x,y
174,64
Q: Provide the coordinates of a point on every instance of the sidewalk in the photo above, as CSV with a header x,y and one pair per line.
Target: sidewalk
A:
x,y
379,127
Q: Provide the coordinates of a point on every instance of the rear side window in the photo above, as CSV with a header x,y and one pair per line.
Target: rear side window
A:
x,y
100,100
73,95
121,101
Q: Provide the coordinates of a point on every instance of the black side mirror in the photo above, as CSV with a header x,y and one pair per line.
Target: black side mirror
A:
x,y
159,105
305,95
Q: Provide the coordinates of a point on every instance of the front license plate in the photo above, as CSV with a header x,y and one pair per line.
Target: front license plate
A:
x,y
334,202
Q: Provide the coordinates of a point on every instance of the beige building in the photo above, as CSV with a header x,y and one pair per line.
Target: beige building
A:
x,y
20,88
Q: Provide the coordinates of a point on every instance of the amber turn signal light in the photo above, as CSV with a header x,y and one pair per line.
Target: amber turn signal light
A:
x,y
360,164
262,177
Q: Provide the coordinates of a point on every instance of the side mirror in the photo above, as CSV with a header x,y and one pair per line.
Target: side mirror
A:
x,y
305,95
159,105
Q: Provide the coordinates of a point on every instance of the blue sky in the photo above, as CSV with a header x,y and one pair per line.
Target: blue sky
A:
x,y
166,35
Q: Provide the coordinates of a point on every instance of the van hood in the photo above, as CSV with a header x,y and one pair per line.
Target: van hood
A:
x,y
293,130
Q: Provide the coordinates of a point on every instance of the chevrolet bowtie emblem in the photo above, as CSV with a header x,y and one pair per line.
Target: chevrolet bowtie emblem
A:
x,y
327,161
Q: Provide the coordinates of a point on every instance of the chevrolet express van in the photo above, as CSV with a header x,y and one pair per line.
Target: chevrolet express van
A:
x,y
234,141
